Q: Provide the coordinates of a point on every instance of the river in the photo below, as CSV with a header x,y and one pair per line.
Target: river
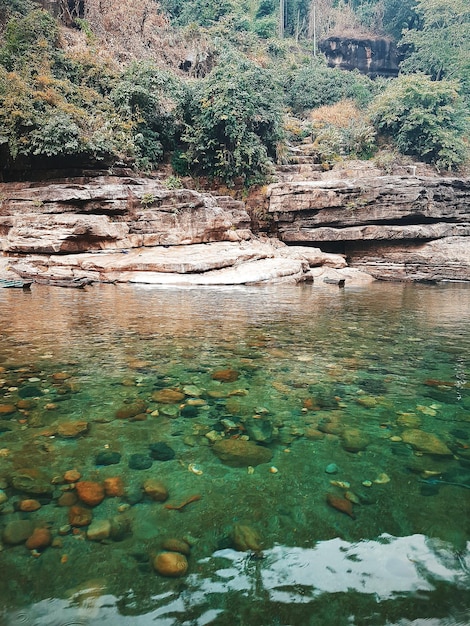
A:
x,y
360,397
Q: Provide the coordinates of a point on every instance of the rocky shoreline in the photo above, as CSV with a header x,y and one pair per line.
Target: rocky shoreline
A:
x,y
345,226
111,229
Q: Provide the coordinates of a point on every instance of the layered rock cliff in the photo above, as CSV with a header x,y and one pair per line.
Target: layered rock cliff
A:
x,y
111,229
349,224
377,56
393,227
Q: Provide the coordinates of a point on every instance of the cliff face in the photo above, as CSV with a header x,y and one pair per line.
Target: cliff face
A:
x,y
129,229
374,57
348,224
394,227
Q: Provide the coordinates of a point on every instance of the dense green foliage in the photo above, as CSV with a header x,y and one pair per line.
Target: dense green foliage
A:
x,y
57,101
399,15
426,119
441,48
236,122
153,100
316,85
42,112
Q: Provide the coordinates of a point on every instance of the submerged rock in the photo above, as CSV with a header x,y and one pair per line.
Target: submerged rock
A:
x,y
155,489
177,545
79,516
259,429
32,481
17,531
107,457
72,429
7,410
90,492
245,538
171,564
354,440
341,504
240,453
113,486
425,442
99,530
40,539
131,409
168,396
160,451
29,505
225,376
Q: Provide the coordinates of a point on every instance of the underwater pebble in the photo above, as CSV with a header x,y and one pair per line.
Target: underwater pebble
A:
x,y
72,476
99,530
107,457
332,468
367,483
171,564
395,438
340,483
140,462
155,489
382,479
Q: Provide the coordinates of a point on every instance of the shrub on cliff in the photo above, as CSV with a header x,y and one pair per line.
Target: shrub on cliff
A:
x,y
42,112
425,119
441,46
315,85
236,122
153,101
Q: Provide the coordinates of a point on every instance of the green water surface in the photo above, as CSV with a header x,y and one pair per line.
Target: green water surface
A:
x,y
364,392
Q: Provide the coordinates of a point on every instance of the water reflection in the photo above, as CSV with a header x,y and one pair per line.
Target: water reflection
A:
x,y
384,569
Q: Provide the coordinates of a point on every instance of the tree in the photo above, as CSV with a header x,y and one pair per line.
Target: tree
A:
x,y
424,118
42,112
236,122
441,48
153,101
398,16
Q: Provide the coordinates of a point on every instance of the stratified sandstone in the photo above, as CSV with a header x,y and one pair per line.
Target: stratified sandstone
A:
x,y
392,227
111,229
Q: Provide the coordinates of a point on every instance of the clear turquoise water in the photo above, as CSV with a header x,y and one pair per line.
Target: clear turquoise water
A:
x,y
313,363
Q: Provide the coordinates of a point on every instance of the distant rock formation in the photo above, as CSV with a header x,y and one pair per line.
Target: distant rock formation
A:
x,y
376,56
